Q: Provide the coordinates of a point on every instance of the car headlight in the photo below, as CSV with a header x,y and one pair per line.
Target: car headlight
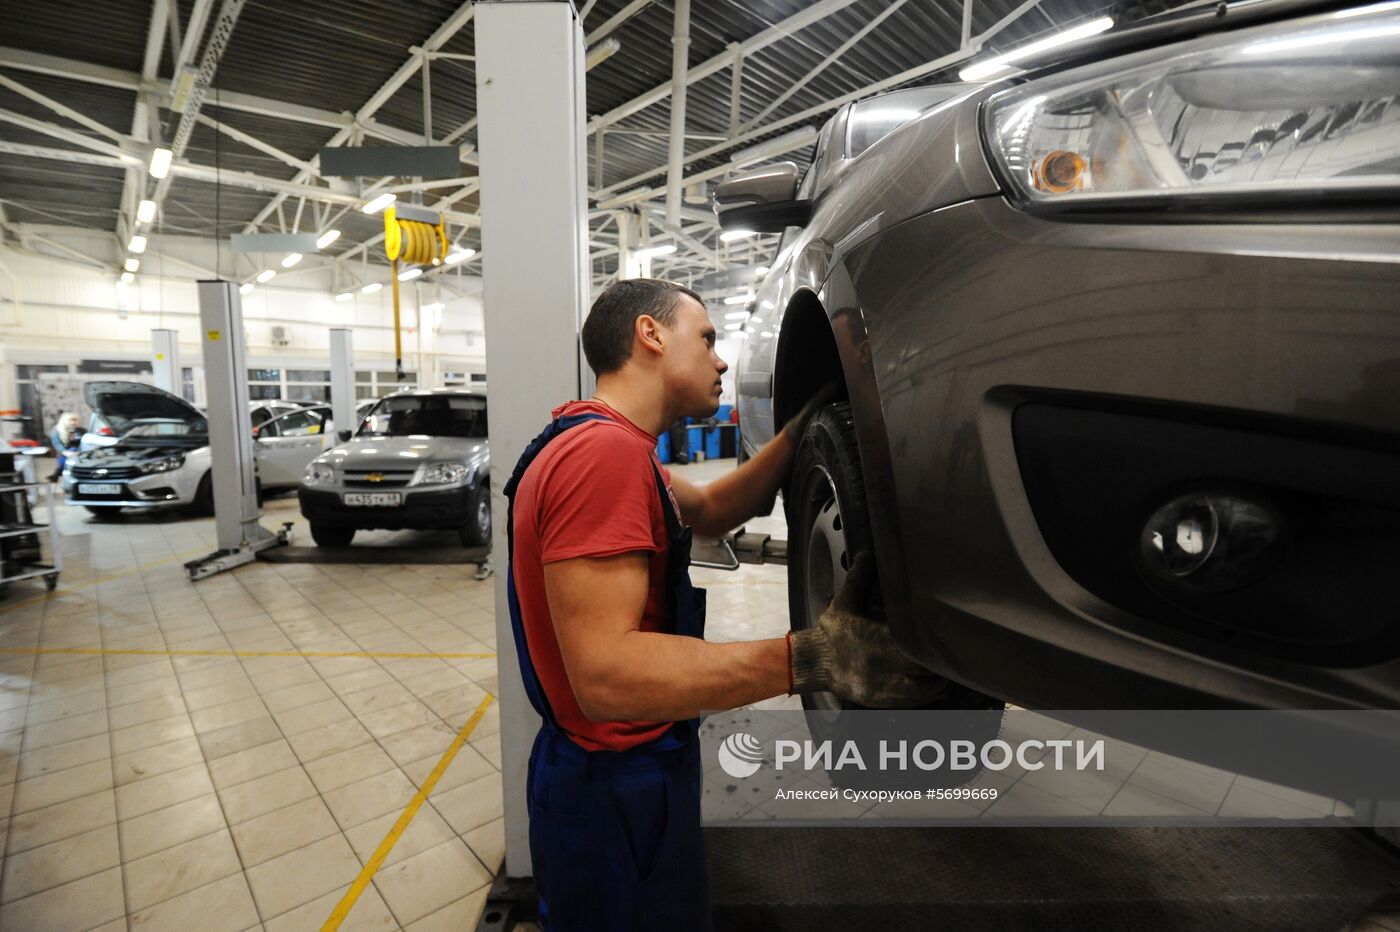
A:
x,y
443,474
164,465
1303,107
318,474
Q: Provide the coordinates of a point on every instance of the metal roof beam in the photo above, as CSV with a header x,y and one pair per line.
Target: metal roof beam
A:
x,y
904,77
364,115
825,63
135,184
69,136
62,109
254,142
622,16
775,33
23,60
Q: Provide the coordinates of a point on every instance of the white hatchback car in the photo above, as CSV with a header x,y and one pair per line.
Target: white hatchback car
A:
x,y
161,458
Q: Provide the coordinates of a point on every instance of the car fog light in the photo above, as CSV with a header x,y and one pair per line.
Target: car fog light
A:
x,y
1211,542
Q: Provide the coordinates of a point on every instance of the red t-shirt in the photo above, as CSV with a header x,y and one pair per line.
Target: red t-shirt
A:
x,y
590,493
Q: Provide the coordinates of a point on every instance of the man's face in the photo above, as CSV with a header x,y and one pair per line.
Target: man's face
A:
x,y
691,365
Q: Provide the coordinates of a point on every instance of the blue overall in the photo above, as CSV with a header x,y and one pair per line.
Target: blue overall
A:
x,y
615,835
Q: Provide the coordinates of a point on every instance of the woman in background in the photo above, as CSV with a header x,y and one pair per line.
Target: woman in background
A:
x,y
64,439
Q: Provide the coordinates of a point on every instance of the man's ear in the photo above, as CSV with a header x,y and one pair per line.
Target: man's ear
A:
x,y
648,332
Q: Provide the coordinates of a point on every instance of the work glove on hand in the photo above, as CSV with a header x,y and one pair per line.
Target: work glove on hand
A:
x,y
797,426
855,657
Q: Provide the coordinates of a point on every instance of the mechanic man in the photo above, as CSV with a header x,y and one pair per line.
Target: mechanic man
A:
x,y
609,630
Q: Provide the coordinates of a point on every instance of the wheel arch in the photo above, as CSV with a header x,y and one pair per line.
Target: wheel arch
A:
x,y
824,337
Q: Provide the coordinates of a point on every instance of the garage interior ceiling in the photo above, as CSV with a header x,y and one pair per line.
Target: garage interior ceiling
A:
x,y
86,90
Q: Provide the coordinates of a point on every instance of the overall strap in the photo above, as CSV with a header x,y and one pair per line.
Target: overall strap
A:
x,y
533,689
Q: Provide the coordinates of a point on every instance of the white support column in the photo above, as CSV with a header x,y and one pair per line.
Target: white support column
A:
x,y
530,99
238,534
342,379
165,360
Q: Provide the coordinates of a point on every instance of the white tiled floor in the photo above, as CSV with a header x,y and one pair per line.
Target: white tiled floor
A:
x,y
189,784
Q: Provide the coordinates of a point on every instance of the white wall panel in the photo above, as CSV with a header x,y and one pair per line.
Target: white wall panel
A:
x,y
66,309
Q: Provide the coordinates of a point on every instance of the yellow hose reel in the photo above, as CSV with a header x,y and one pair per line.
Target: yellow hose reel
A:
x,y
416,242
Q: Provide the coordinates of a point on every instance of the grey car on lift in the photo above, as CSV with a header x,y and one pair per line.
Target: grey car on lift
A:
x,y
1120,355
419,460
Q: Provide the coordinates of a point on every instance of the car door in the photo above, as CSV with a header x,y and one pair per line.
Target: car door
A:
x,y
287,443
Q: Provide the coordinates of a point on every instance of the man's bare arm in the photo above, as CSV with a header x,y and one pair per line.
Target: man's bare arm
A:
x,y
726,503
621,673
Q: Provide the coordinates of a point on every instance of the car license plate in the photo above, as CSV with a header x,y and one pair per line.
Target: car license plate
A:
x,y
98,488
372,499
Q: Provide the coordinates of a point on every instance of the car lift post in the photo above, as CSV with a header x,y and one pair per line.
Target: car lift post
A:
x,y
165,360
239,535
342,380
530,100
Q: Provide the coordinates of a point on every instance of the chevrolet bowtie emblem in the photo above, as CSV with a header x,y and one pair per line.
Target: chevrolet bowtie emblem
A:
x,y
374,477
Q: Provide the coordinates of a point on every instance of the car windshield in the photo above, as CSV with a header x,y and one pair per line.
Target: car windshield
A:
x,y
874,119
427,416
162,432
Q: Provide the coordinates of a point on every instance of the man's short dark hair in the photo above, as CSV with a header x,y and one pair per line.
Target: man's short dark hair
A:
x,y
607,333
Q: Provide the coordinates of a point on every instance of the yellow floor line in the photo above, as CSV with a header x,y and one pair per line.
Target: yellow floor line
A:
x,y
369,655
347,902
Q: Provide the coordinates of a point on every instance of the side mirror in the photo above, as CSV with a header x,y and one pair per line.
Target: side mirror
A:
x,y
342,435
763,200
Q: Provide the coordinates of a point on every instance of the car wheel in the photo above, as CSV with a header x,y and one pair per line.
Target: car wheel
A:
x,y
105,514
204,496
332,536
828,524
477,531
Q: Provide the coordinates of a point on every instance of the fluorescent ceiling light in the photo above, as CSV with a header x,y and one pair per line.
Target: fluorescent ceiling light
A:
x,y
379,203
146,211
345,296
992,66
600,53
371,288
291,259
137,244
654,251
408,275
132,264
128,278
739,299
433,307
733,327
736,315
160,162
459,255
266,275
245,288
729,236
326,238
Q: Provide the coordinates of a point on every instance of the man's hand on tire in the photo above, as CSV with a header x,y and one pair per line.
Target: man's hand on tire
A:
x,y
797,426
855,657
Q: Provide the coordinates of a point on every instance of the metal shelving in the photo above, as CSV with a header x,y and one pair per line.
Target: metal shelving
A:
x,y
15,569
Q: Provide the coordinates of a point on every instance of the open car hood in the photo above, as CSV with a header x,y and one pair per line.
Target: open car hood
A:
x,y
122,403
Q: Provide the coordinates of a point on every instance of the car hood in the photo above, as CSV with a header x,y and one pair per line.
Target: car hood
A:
x,y
120,456
121,403
398,453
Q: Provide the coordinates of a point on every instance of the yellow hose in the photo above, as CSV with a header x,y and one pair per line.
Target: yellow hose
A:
x,y
415,242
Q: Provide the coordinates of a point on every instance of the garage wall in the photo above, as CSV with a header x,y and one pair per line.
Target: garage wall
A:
x,y
66,312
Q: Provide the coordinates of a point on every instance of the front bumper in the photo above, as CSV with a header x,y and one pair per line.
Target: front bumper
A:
x,y
427,509
1260,356
157,490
